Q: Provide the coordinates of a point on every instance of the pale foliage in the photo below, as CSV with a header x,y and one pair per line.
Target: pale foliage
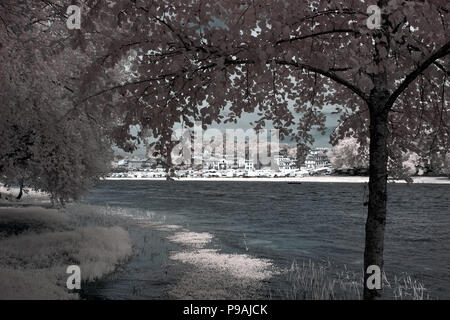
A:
x,y
347,155
48,142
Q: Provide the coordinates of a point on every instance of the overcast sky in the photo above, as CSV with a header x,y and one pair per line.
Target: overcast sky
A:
x,y
247,118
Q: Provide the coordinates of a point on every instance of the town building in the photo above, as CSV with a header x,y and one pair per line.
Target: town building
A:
x,y
283,163
317,158
249,165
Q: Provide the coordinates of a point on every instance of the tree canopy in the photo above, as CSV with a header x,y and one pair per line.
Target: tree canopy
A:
x,y
255,56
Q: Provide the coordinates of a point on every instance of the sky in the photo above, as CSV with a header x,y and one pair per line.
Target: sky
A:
x,y
244,123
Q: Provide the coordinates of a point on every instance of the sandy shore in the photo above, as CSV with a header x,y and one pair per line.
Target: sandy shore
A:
x,y
322,179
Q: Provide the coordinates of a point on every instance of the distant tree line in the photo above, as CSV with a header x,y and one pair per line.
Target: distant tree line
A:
x,y
348,155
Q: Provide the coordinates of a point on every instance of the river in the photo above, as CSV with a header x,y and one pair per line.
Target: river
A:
x,y
273,222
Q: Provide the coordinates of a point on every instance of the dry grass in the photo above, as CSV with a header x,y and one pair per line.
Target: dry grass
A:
x,y
312,281
321,281
40,243
406,288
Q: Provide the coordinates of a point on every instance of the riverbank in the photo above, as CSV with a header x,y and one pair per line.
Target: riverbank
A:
x,y
8,197
174,262
321,179
38,243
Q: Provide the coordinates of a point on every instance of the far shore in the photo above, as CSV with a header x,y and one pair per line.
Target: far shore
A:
x,y
322,179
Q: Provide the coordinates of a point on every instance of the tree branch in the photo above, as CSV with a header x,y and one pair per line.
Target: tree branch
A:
x,y
158,78
306,36
329,75
442,52
441,67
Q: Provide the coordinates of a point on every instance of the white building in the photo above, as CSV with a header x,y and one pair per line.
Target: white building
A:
x,y
317,158
234,162
249,165
284,163
226,163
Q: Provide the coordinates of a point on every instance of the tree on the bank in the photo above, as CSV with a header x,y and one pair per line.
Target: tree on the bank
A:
x,y
255,56
347,154
182,61
47,142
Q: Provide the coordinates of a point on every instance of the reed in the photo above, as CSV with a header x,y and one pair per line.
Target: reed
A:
x,y
321,281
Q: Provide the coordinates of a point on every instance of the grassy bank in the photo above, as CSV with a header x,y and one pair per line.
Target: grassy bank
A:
x,y
38,244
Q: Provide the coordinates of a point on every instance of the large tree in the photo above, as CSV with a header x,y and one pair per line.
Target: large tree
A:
x,y
255,56
47,141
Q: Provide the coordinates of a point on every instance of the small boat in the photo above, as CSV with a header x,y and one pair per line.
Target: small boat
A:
x,y
294,183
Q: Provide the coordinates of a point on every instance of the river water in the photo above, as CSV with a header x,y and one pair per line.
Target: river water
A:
x,y
276,222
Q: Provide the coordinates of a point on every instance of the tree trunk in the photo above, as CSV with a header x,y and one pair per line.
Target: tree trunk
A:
x,y
376,218
379,112
21,191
